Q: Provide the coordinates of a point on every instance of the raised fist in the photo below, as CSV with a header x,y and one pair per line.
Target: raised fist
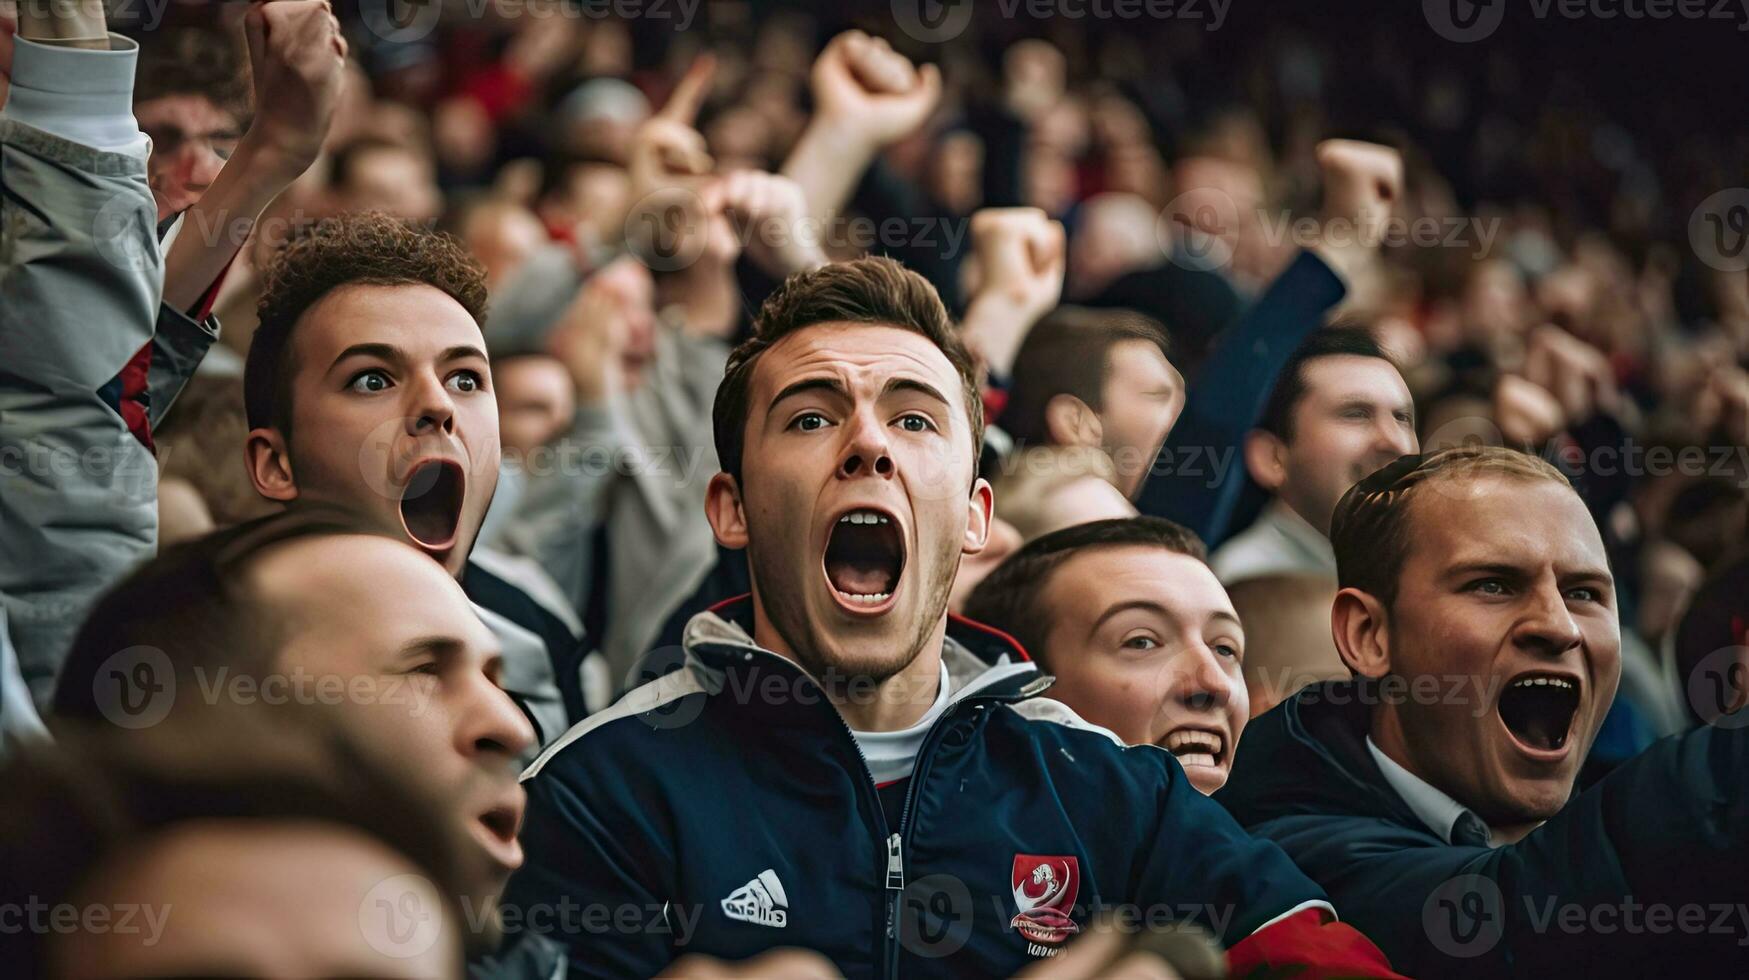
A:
x,y
297,56
864,88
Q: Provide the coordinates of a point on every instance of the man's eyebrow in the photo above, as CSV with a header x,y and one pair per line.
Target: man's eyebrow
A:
x,y
438,645
1145,605
805,385
1486,568
1586,573
923,388
460,351
386,352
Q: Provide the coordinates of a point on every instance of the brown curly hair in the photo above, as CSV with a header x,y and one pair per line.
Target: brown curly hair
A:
x,y
367,248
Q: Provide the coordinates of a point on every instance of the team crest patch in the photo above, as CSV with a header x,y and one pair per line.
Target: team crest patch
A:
x,y
1045,887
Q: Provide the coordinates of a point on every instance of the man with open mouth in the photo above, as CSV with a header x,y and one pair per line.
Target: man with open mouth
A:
x,y
839,764
367,388
1141,637
1433,794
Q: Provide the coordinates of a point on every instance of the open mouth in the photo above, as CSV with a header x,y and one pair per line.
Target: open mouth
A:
x,y
865,555
496,830
1539,709
431,504
1196,746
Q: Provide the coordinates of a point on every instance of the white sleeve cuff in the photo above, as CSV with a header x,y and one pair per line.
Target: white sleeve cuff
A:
x,y
78,94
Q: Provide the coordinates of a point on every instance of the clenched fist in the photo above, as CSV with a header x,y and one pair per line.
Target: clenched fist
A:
x,y
297,56
865,89
1362,183
1020,258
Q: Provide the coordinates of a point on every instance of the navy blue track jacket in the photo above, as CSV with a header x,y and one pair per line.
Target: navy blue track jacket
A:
x,y
725,809
1644,874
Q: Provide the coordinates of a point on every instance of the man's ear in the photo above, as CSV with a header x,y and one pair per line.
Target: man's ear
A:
x,y
722,507
269,463
1266,459
980,508
1360,627
1069,421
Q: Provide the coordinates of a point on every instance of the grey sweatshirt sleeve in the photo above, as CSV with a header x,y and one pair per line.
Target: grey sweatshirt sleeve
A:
x,y
80,282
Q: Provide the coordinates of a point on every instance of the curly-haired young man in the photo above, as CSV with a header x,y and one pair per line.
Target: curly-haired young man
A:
x,y
367,388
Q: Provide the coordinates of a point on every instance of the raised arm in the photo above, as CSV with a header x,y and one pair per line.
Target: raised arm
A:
x,y
296,55
80,283
866,96
1192,482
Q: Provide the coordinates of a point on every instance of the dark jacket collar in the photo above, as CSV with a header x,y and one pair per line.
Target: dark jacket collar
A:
x,y
1308,756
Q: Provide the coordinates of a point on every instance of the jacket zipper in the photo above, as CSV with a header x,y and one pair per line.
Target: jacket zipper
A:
x,y
894,883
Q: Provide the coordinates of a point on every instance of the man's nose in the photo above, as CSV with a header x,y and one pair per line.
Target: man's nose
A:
x,y
1548,627
1393,437
1198,681
432,409
868,452
205,168
492,724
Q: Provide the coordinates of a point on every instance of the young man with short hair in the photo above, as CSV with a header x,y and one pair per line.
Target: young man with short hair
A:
x,y
1433,794
1097,380
367,388
1340,411
1141,638
837,764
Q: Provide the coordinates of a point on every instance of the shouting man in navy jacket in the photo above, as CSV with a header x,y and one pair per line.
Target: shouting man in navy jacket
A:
x,y
1433,795
838,765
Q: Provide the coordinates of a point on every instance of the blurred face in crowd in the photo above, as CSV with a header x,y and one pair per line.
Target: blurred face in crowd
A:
x,y
1356,415
1506,586
262,898
535,400
858,496
502,236
1144,641
421,674
392,179
1078,501
393,415
1141,400
191,140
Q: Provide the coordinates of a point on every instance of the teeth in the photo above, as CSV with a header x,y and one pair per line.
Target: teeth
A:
x,y
1560,682
870,600
862,517
1185,741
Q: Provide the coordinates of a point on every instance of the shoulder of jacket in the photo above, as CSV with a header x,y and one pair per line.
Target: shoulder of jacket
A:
x,y
663,692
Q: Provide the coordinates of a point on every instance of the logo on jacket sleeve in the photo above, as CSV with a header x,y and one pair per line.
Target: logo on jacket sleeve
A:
x,y
760,901
1045,887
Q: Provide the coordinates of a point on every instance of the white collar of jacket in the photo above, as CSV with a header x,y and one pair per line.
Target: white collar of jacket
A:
x,y
979,659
